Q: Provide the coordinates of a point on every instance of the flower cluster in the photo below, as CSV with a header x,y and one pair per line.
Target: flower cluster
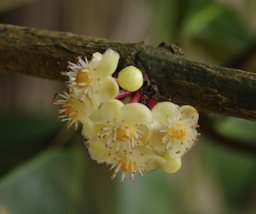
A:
x,y
119,131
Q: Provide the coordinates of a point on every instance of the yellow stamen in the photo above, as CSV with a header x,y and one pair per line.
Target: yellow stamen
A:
x,y
124,133
69,110
179,131
83,79
128,165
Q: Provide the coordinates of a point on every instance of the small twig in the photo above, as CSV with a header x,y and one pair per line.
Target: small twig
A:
x,y
209,88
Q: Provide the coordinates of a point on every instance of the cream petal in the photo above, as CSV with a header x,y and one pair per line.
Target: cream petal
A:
x,y
171,165
156,141
96,58
144,132
153,161
107,89
162,111
107,64
177,150
193,134
98,151
84,108
145,150
136,113
108,111
146,157
189,114
89,129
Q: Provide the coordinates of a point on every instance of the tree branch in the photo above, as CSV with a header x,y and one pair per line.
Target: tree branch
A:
x,y
210,88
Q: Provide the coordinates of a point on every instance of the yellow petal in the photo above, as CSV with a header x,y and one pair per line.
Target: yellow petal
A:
x,y
189,114
107,64
156,141
171,165
153,161
98,151
84,108
89,129
108,111
136,113
96,58
108,89
146,157
164,110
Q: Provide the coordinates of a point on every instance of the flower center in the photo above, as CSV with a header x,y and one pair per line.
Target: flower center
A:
x,y
69,109
128,165
179,131
124,133
83,79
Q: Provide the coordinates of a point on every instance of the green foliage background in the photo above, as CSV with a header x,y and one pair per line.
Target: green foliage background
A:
x,y
45,168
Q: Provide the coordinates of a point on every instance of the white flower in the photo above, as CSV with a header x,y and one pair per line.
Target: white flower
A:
x,y
72,109
120,126
130,137
139,160
92,80
174,128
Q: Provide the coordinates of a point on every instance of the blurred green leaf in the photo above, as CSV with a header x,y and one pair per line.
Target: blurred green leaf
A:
x,y
49,184
215,29
23,128
201,19
54,169
236,174
164,15
236,128
155,193
23,135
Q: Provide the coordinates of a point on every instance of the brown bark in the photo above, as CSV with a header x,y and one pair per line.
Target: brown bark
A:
x,y
209,88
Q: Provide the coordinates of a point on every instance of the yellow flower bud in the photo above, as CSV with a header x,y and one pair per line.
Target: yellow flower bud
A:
x,y
130,78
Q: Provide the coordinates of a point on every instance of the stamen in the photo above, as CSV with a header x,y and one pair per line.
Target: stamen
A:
x,y
132,177
140,170
106,128
165,139
136,135
112,167
127,165
123,177
116,171
130,148
117,147
82,62
113,176
117,168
